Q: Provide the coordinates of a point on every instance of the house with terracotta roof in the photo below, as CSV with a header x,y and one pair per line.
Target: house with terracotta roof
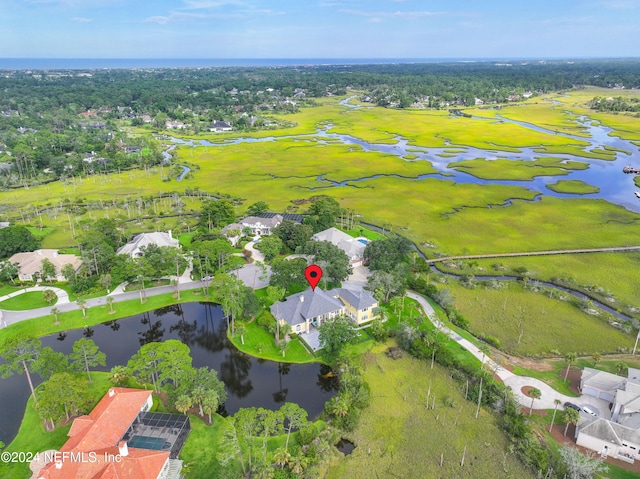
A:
x,y
121,439
30,263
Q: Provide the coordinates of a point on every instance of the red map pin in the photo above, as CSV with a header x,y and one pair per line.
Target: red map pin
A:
x,y
313,273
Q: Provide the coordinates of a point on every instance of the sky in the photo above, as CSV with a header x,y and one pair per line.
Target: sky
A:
x,y
319,28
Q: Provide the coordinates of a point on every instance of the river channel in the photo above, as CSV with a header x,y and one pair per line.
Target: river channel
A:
x,y
248,381
607,175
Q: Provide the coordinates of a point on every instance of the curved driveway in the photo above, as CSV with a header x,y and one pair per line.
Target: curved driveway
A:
x,y
515,382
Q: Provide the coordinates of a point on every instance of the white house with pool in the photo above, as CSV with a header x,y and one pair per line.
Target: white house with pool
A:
x,y
353,247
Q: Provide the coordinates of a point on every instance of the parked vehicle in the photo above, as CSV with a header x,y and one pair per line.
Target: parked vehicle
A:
x,y
570,405
588,410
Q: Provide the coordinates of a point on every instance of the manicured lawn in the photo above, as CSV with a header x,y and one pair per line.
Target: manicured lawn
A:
x,y
399,437
30,300
185,240
260,343
362,231
74,320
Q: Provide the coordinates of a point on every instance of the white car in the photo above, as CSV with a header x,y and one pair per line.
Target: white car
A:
x,y
588,410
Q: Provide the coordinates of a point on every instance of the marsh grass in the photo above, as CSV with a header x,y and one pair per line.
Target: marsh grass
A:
x,y
522,170
399,436
575,187
548,324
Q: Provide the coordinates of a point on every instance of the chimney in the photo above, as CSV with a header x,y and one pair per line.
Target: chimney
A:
x,y
124,450
170,236
301,299
112,392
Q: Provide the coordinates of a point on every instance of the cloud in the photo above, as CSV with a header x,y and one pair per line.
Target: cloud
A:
x,y
619,4
569,20
183,17
208,4
397,14
82,20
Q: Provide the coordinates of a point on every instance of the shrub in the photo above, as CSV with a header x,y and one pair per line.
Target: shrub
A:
x,y
307,434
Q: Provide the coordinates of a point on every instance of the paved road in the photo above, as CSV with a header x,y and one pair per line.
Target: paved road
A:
x,y
63,296
515,382
536,253
11,317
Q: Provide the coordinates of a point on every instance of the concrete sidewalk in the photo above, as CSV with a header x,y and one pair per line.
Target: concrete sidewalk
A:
x,y
63,296
515,382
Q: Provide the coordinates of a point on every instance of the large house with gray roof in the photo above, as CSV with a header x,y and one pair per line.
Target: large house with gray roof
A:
x,y
309,309
618,437
353,248
159,238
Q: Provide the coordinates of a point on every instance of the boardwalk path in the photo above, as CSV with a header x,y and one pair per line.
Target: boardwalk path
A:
x,y
536,253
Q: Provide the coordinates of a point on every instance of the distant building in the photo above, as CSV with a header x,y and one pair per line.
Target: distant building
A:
x,y
220,126
260,225
30,264
121,439
175,125
159,238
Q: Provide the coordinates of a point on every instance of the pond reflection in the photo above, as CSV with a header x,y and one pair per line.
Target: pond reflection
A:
x,y
249,381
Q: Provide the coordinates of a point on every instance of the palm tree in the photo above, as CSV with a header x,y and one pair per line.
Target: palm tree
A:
x,y
110,303
183,403
298,464
556,403
82,304
55,312
570,416
281,457
534,393
49,296
571,359
241,329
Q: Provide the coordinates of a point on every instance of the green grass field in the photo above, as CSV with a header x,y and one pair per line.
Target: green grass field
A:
x,y
548,324
500,169
456,218
30,300
575,187
615,274
399,437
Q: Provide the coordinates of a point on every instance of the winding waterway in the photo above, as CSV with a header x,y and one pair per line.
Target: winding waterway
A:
x,y
615,186
248,381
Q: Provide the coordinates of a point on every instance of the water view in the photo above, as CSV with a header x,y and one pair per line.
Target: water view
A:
x,y
249,381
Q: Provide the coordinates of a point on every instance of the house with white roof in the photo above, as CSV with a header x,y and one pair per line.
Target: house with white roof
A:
x,y
259,225
159,238
353,248
620,436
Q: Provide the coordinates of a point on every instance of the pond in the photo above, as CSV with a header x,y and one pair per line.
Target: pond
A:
x,y
249,381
